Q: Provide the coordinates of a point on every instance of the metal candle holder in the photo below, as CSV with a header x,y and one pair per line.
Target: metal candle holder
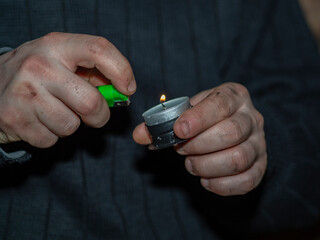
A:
x,y
161,118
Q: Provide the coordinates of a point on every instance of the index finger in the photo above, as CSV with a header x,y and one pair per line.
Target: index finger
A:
x,y
93,51
216,106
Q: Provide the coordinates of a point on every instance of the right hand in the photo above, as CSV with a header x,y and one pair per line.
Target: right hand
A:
x,y
41,96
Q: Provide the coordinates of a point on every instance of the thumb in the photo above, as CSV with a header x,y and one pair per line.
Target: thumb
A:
x,y
141,135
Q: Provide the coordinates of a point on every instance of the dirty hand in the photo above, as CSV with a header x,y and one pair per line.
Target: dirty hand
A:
x,y
43,98
226,146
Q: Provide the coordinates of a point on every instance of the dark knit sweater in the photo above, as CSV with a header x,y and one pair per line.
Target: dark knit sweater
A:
x,y
98,184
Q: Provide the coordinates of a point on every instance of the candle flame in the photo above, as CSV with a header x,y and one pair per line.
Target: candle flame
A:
x,y
163,98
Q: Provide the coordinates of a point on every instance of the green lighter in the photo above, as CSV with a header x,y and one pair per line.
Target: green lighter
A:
x,y
113,96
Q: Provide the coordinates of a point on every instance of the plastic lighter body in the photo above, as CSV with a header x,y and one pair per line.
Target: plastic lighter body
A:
x,y
113,97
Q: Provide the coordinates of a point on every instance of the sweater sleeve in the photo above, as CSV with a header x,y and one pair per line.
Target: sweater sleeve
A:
x,y
13,157
4,50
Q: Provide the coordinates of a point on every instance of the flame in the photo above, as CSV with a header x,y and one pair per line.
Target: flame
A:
x,y
163,98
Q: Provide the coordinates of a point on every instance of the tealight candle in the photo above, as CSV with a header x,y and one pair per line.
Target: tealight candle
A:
x,y
161,118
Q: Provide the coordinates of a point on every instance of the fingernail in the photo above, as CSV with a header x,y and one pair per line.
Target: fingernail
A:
x,y
132,86
185,127
189,167
205,183
152,147
181,151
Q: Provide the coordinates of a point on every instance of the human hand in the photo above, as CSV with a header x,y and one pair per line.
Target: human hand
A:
x,y
226,145
44,96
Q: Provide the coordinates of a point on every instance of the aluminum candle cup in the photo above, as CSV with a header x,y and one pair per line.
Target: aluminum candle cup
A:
x,y
161,118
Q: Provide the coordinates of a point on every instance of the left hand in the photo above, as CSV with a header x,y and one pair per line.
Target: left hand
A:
x,y
226,145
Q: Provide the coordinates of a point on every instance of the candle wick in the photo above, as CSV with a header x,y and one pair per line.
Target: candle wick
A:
x,y
164,107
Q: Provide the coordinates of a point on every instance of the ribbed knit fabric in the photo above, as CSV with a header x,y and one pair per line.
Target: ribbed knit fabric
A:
x,y
4,50
98,184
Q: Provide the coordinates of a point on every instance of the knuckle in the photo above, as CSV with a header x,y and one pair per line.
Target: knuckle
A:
x,y
248,184
40,139
234,131
221,188
90,104
34,64
221,192
100,121
222,103
47,141
10,118
50,37
192,119
24,90
29,64
261,171
239,161
70,126
97,45
265,161
234,88
241,90
259,120
107,118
